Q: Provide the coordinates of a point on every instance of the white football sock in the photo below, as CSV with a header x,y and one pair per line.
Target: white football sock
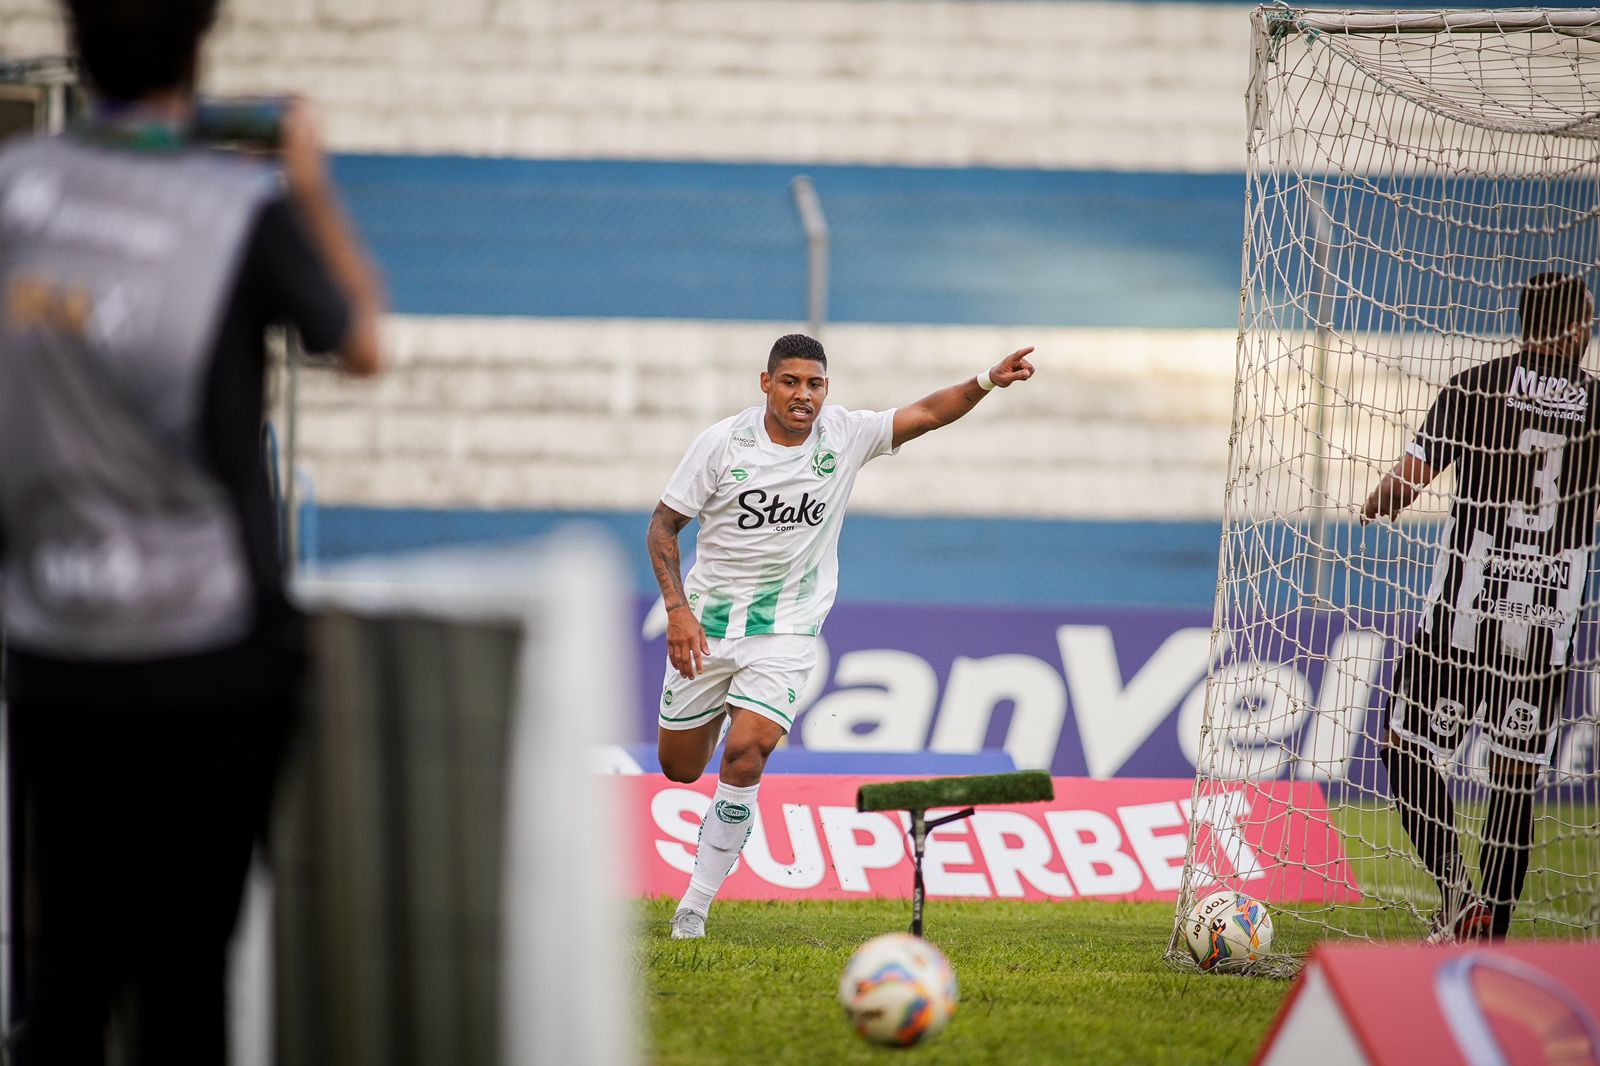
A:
x,y
722,836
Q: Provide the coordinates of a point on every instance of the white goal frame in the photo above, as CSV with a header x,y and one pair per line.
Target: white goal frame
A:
x,y
1343,405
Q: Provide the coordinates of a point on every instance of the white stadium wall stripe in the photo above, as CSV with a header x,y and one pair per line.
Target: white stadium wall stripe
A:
x,y
1002,83
490,412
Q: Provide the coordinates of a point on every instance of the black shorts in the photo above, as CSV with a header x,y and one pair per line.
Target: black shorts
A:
x,y
1442,693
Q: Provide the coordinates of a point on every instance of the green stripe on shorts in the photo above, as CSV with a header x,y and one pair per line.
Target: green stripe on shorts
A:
x,y
694,717
786,719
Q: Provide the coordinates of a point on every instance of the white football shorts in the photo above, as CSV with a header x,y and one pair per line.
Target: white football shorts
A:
x,y
764,674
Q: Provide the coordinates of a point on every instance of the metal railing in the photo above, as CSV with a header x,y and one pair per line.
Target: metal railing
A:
x,y
809,205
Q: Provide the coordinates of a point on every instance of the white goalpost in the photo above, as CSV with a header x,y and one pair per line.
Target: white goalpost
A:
x,y
1408,172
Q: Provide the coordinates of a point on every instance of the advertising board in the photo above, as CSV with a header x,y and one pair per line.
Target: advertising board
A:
x,y
1119,840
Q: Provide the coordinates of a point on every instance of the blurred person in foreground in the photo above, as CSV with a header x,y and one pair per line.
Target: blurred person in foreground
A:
x,y
152,661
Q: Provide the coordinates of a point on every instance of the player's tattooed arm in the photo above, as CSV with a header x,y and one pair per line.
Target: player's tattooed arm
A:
x,y
938,409
1399,487
662,540
686,640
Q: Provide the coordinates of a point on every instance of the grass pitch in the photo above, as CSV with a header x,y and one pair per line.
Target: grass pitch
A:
x,y
1053,982
1040,983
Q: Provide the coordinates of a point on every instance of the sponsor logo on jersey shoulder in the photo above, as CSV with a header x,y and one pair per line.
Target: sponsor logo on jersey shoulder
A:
x,y
761,510
1554,395
744,442
824,462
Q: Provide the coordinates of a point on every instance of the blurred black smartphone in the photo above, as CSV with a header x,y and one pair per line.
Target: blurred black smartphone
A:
x,y
247,122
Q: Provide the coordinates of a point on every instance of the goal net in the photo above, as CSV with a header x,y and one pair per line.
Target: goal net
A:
x,y
1408,173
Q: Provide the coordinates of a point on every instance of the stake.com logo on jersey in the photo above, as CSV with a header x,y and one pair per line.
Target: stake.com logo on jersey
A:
x,y
759,510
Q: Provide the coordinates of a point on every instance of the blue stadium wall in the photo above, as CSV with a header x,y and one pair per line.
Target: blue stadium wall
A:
x,y
591,239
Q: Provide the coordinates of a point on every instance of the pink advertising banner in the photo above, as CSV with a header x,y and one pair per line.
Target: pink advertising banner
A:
x,y
1116,839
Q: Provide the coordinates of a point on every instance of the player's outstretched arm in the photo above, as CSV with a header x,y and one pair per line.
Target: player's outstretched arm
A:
x,y
948,404
1398,488
686,640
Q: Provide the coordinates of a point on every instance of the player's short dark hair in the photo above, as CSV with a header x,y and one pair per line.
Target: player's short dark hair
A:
x,y
130,48
796,346
1550,304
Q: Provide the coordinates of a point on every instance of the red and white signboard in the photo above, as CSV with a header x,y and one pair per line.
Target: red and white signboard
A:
x,y
1469,1005
1104,839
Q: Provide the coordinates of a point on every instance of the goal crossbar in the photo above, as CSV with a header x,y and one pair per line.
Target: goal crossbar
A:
x,y
1305,20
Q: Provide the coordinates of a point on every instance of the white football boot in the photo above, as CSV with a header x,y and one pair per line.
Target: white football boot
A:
x,y
687,925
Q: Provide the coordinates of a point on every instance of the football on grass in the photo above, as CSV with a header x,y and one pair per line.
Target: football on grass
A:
x,y
1227,931
898,990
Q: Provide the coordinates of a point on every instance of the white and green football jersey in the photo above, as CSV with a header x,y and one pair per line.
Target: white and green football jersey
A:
x,y
767,555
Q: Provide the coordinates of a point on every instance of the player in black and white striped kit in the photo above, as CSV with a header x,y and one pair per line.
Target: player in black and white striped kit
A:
x,y
1523,434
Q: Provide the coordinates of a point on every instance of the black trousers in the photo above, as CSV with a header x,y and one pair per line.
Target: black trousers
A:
x,y
139,824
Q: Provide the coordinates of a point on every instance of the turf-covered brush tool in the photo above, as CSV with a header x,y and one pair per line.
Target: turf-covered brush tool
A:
x,y
925,794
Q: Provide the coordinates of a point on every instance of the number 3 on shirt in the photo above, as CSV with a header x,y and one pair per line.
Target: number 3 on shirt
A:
x,y
1545,478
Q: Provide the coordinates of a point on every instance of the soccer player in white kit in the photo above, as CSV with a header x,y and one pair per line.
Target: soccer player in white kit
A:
x,y
769,486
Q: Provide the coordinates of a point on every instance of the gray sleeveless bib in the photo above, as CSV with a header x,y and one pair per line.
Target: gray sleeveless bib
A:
x,y
115,268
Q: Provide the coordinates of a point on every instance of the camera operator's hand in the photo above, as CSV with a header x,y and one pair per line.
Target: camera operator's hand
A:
x,y
305,169
305,165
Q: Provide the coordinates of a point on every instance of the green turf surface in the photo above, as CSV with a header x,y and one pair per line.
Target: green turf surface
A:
x,y
1040,983
1054,982
1399,898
